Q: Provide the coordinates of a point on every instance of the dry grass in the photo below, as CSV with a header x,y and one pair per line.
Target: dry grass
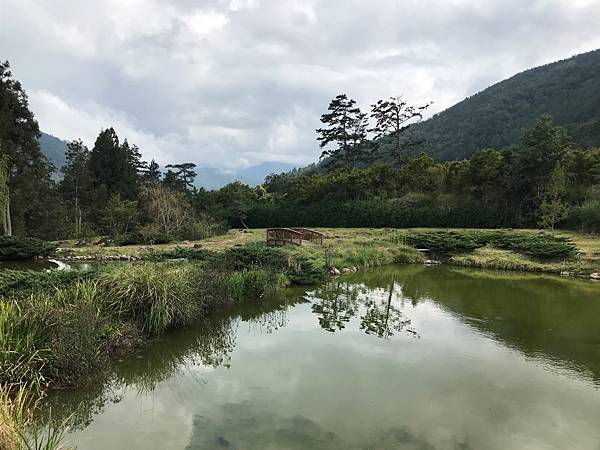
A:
x,y
342,241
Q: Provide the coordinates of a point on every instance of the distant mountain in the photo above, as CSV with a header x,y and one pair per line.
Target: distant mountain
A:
x,y
568,90
209,178
54,149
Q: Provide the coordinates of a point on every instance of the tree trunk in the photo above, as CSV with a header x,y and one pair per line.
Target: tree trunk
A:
x,y
7,218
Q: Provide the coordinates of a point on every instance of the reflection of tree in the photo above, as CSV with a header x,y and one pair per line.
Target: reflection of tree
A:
x,y
271,321
209,343
383,319
337,304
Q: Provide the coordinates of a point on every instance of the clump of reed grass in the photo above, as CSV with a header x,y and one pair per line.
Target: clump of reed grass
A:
x,y
157,296
23,355
18,428
254,283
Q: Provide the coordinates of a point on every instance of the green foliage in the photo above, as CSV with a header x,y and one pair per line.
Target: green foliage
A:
x,y
495,116
194,254
586,216
537,244
119,215
14,248
158,296
13,282
254,283
306,271
19,428
255,255
23,349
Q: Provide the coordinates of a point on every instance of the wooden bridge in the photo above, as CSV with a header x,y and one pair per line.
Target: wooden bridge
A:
x,y
293,236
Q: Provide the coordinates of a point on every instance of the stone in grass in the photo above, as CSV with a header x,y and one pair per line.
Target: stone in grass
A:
x,y
595,276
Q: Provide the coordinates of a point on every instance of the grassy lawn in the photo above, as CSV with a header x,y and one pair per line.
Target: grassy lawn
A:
x,y
345,247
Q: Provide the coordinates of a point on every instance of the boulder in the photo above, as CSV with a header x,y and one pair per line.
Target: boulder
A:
x,y
595,276
334,271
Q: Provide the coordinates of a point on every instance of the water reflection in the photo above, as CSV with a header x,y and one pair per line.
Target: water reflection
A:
x,y
336,367
379,308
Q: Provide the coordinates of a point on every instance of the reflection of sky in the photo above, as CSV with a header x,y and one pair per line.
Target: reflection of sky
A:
x,y
302,387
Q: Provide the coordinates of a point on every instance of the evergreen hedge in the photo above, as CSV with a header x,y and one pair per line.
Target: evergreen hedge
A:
x,y
14,248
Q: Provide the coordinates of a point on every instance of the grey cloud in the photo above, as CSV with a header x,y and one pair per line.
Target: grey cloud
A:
x,y
231,84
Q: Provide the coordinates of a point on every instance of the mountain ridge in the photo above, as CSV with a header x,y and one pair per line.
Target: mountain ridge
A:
x,y
568,90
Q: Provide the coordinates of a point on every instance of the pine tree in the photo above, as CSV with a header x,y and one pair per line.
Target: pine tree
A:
x,y
27,169
346,127
392,118
152,174
77,181
114,167
553,207
183,176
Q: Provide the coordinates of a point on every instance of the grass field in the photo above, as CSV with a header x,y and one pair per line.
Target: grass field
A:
x,y
345,247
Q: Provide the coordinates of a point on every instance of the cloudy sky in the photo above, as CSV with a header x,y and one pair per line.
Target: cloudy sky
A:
x,y
233,83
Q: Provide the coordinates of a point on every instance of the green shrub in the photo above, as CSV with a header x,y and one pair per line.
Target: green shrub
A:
x,y
407,255
254,283
156,295
14,248
17,282
535,243
23,349
306,271
442,241
194,254
586,217
255,254
146,235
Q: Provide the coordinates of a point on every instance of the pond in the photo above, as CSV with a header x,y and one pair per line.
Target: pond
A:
x,y
48,264
400,357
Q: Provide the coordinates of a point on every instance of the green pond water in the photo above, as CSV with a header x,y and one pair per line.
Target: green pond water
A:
x,y
401,357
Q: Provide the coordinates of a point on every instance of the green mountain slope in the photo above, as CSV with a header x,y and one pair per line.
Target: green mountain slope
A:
x,y
54,149
568,90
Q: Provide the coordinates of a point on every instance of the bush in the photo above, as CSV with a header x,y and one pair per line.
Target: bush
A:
x,y
254,283
148,235
535,243
586,217
255,254
203,229
14,248
17,282
194,254
158,296
441,241
23,349
306,271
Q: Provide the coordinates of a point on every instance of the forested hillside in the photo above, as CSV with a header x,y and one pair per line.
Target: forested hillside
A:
x,y
53,148
567,90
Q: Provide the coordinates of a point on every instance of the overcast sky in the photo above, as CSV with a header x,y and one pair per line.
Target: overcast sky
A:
x,y
233,83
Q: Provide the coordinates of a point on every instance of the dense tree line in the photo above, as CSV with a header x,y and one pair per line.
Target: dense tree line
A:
x,y
106,190
110,190
544,181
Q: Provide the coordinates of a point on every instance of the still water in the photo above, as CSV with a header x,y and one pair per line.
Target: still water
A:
x,y
401,357
45,265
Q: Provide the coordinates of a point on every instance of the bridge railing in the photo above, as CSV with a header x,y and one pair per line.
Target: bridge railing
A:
x,y
283,236
316,237
295,236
